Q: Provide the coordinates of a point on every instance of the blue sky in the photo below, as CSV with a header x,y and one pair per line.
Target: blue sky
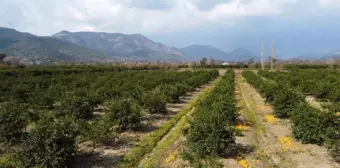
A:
x,y
297,26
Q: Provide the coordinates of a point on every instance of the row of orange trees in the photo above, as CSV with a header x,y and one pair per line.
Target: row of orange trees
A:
x,y
211,131
310,66
324,84
310,125
43,114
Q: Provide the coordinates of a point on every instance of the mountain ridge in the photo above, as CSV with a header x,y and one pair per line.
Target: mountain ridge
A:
x,y
135,46
32,47
242,55
197,52
93,46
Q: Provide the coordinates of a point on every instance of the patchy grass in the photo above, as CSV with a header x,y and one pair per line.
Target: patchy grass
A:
x,y
251,107
161,151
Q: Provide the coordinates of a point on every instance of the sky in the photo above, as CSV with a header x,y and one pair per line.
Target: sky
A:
x,y
297,26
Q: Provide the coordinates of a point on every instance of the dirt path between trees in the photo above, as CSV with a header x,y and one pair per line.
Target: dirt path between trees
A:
x,y
167,152
108,155
269,140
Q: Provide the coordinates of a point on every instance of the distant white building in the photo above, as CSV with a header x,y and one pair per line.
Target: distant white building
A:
x,y
225,63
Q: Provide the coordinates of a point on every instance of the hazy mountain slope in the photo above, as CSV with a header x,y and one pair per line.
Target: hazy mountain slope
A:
x,y
88,46
47,48
29,46
116,44
318,56
313,56
242,54
332,55
197,52
10,36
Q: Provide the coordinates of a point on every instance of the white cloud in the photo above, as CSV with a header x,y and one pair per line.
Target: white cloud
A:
x,y
127,16
329,2
237,8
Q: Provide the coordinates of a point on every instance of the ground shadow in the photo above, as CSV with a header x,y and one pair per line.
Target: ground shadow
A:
x,y
143,128
177,106
239,150
244,122
90,160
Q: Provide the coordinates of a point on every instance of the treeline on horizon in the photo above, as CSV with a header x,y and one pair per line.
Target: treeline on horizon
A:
x,y
100,67
258,66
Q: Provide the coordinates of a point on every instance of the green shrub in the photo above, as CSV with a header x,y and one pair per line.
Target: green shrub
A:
x,y
52,143
7,161
147,144
211,131
100,131
334,148
197,162
285,101
268,90
310,125
106,93
210,135
20,92
13,119
155,101
313,126
77,106
334,107
174,92
124,112
323,84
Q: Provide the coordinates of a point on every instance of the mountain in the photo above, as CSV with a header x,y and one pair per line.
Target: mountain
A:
x,y
241,54
197,52
10,36
116,44
84,46
332,55
25,45
312,56
318,56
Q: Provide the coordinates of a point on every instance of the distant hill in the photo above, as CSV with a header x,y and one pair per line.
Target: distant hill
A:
x,y
94,46
197,52
10,36
241,54
332,55
25,45
318,56
116,44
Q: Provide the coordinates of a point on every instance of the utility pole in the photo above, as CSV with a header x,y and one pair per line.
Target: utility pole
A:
x,y
272,56
262,60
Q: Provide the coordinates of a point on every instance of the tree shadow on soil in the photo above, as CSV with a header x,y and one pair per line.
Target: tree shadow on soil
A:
x,y
240,150
90,160
143,128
